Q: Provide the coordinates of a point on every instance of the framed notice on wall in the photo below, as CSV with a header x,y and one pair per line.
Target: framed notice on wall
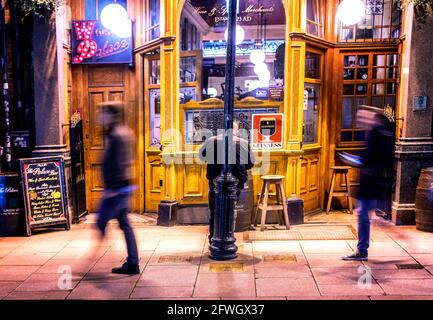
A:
x,y
267,131
44,191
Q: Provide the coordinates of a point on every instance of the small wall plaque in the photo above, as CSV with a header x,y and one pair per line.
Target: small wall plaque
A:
x,y
419,103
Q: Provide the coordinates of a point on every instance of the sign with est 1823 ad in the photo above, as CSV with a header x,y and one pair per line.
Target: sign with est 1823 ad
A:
x,y
44,192
92,43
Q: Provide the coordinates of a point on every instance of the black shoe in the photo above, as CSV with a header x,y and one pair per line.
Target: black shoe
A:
x,y
356,257
127,269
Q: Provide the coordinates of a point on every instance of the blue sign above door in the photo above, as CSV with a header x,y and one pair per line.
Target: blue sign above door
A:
x,y
92,43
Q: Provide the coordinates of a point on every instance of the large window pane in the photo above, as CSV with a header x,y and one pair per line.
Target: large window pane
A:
x,y
315,12
260,52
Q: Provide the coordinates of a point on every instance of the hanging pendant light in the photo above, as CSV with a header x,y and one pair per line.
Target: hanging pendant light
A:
x,y
257,56
260,68
114,17
240,34
351,12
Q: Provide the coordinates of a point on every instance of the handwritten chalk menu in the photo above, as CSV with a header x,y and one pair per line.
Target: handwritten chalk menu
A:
x,y
44,192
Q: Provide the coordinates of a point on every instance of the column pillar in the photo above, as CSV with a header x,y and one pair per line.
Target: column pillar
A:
x,y
167,209
414,147
49,89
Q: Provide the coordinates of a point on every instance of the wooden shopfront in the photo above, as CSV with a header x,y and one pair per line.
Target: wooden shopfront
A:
x,y
313,69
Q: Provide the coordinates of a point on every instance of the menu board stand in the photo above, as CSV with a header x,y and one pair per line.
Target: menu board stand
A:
x,y
44,191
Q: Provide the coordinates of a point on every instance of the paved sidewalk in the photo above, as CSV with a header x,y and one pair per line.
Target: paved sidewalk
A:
x,y
175,265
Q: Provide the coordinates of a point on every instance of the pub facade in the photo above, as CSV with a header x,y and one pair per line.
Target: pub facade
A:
x,y
295,58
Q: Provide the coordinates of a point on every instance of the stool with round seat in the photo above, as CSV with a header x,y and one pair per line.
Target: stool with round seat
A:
x,y
265,206
340,170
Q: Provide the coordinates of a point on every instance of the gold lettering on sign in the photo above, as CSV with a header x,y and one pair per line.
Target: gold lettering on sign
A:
x,y
261,9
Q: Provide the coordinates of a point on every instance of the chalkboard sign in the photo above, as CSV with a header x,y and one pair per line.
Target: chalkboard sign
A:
x,y
44,192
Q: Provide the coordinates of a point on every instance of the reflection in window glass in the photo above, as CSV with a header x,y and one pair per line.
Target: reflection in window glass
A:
x,y
311,113
155,117
312,65
154,74
154,12
347,113
187,70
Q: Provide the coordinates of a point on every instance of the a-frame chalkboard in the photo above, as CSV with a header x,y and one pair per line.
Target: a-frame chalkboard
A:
x,y
44,192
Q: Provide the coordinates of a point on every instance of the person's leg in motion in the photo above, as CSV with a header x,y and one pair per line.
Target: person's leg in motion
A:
x,y
365,206
132,263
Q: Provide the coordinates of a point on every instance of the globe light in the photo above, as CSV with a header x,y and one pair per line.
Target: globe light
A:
x,y
122,29
264,79
112,15
260,69
240,34
351,12
257,56
212,92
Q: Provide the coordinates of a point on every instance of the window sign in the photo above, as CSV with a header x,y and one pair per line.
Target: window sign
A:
x,y
267,131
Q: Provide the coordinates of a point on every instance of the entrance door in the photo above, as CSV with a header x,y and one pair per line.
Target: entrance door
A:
x,y
102,83
154,170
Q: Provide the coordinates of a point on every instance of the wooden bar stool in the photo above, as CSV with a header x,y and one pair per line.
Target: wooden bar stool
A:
x,y
280,205
336,170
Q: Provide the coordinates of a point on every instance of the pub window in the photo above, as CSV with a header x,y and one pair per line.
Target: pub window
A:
x,y
152,20
368,79
315,17
312,97
153,97
259,70
382,22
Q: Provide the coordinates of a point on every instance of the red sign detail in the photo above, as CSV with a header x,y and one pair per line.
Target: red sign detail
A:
x,y
87,47
267,131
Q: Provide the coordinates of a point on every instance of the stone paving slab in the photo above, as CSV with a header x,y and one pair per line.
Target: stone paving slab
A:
x,y
175,265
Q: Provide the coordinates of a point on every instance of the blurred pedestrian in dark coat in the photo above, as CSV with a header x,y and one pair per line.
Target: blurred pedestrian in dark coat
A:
x,y
116,171
375,172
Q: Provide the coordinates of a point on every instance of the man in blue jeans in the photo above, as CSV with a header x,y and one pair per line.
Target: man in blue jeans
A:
x,y
116,170
375,172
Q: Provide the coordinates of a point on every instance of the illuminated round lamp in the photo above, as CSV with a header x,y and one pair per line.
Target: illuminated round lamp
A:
x,y
122,29
212,92
264,79
351,12
240,34
257,56
112,14
260,69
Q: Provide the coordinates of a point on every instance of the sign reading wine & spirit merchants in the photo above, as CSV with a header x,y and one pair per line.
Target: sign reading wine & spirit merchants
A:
x,y
267,131
250,12
44,192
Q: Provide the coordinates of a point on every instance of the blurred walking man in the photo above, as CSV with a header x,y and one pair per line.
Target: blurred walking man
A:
x,y
240,157
116,169
376,169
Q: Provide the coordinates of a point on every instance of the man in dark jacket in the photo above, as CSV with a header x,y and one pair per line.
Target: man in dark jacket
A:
x,y
116,170
375,173
240,157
